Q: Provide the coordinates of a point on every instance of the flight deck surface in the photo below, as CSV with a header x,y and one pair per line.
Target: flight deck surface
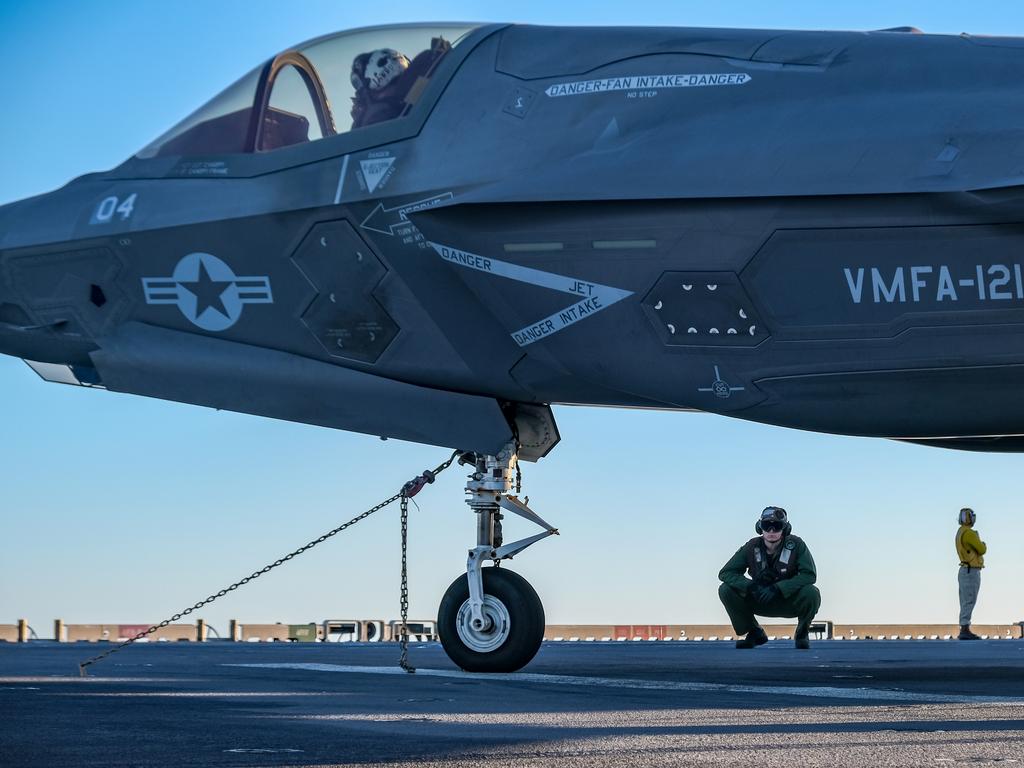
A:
x,y
578,704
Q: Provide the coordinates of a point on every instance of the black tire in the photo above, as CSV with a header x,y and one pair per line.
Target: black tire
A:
x,y
525,623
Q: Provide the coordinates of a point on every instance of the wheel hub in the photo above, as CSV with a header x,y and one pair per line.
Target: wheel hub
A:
x,y
495,630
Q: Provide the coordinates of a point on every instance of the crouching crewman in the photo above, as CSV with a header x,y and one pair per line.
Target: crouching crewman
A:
x,y
780,584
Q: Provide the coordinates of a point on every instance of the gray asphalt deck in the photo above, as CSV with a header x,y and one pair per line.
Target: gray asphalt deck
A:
x,y
589,704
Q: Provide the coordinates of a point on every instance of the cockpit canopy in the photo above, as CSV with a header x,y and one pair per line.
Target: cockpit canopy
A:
x,y
328,86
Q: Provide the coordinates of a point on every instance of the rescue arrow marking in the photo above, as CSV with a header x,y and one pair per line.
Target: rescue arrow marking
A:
x,y
593,296
381,214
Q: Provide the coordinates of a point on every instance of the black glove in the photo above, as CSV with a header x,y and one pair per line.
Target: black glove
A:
x,y
765,594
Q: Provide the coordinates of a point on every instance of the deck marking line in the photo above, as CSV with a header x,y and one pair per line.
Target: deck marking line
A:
x,y
830,692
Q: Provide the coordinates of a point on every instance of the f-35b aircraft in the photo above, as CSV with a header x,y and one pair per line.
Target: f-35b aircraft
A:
x,y
433,232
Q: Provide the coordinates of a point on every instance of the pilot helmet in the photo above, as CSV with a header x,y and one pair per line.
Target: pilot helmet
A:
x,y
376,70
967,516
773,518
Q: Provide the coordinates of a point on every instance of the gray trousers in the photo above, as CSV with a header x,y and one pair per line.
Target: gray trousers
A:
x,y
970,583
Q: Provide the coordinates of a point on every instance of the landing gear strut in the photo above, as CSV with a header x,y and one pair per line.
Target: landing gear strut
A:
x,y
491,619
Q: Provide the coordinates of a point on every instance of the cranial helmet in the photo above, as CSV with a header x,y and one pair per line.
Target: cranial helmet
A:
x,y
773,516
967,516
376,70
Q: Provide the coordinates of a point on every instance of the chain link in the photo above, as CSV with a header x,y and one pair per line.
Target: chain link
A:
x,y
403,659
281,561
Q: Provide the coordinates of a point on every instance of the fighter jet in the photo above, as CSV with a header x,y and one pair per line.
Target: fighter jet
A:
x,y
434,232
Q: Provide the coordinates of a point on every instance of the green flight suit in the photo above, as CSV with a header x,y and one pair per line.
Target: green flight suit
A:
x,y
794,578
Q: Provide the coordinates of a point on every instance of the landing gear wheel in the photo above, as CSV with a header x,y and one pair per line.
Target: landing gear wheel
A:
x,y
514,628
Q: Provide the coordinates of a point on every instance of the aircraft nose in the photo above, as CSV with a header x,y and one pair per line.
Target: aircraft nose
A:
x,y
25,335
43,296
15,323
7,312
14,320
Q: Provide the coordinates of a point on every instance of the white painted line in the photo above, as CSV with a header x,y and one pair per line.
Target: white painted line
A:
x,y
593,297
201,694
78,679
341,180
814,691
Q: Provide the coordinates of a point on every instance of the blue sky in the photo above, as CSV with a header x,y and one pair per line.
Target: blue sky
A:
x,y
121,509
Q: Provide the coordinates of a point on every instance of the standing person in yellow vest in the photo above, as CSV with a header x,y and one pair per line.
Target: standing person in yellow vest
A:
x,y
971,550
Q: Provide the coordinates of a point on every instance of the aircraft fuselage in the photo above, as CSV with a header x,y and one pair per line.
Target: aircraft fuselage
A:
x,y
817,230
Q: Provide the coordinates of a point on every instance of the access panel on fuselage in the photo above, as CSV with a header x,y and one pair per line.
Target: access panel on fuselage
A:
x,y
344,317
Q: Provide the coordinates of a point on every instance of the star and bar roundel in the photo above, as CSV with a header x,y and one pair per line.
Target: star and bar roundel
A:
x,y
207,291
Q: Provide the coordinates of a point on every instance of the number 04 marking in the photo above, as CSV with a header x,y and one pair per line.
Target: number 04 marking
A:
x,y
109,206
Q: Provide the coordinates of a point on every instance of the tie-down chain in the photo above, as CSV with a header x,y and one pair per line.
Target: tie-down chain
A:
x,y
408,490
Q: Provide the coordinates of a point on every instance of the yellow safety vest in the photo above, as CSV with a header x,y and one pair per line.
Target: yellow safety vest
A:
x,y
970,547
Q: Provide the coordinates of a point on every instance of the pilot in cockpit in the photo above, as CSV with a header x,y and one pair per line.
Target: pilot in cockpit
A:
x,y
386,82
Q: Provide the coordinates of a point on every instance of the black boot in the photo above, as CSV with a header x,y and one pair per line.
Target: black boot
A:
x,y
966,634
754,638
801,638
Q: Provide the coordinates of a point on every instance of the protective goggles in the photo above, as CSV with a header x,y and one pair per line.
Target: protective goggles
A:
x,y
773,526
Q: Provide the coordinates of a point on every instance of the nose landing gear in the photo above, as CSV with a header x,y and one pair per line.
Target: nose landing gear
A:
x,y
491,620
